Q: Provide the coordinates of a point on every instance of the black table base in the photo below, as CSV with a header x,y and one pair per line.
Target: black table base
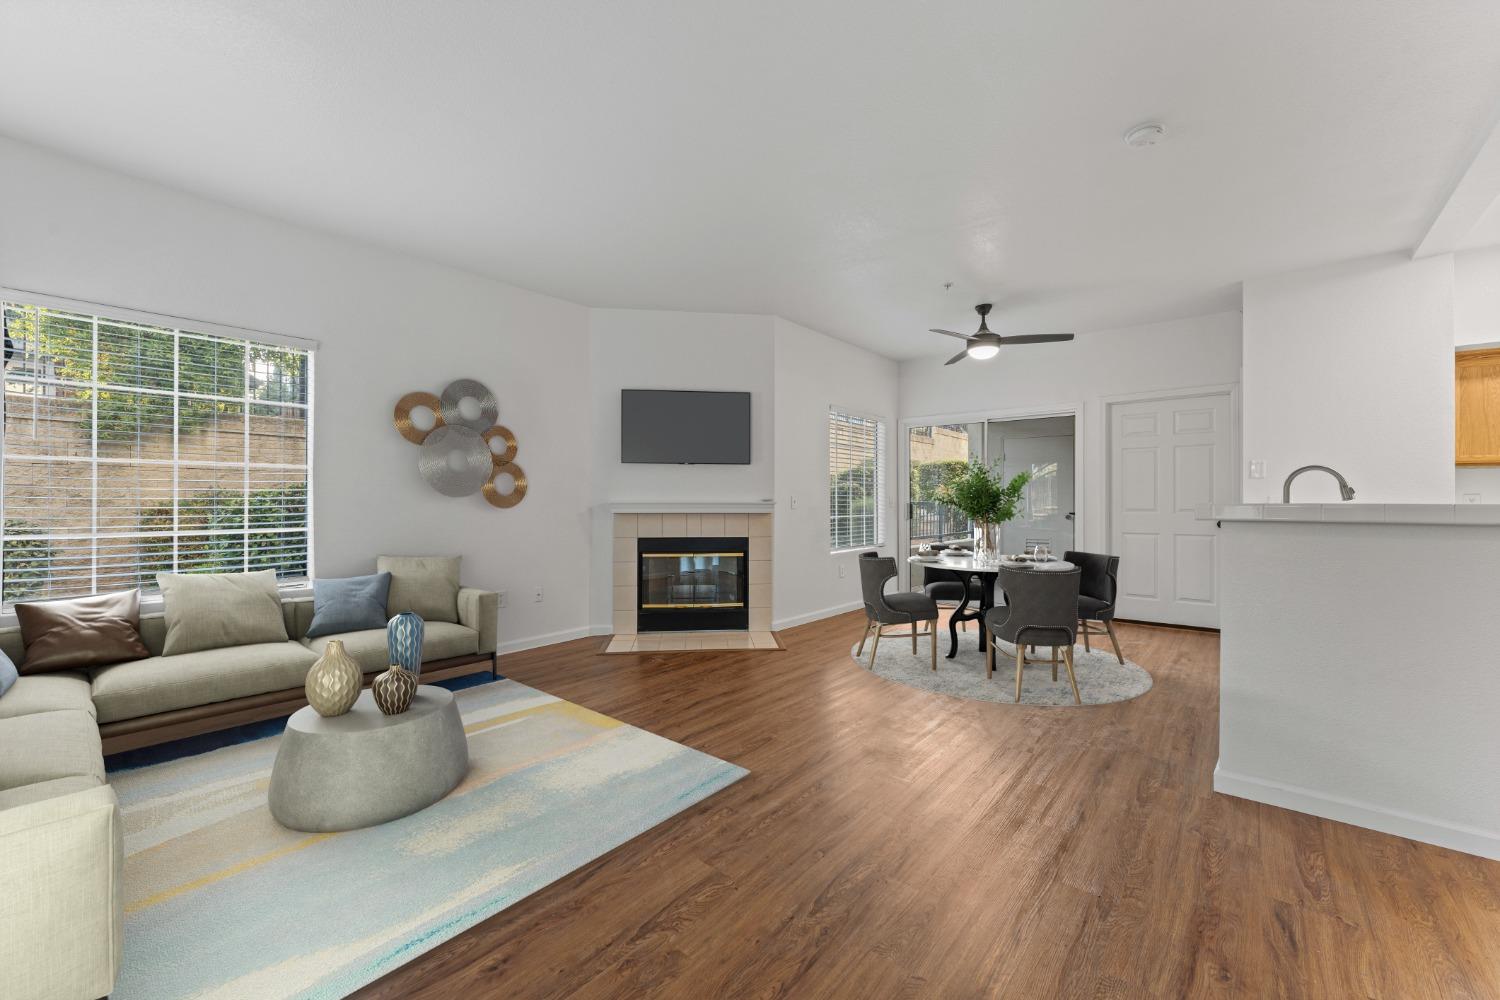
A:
x,y
963,614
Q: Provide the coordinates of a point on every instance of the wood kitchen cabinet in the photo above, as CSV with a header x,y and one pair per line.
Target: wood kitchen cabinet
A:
x,y
1477,404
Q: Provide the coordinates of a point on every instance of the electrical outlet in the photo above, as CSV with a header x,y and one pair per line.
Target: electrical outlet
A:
x,y
538,597
1471,498
843,571
504,598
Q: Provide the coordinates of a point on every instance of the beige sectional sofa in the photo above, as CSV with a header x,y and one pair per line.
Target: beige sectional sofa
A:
x,y
61,847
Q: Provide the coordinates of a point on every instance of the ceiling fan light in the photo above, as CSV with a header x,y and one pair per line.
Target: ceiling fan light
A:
x,y
983,352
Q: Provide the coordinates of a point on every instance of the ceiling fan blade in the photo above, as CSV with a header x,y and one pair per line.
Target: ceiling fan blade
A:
x,y
950,333
1037,338
957,357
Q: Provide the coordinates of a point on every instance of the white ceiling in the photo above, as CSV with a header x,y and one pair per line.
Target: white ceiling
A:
x,y
832,161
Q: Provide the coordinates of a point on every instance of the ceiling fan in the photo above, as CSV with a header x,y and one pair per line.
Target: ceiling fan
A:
x,y
984,343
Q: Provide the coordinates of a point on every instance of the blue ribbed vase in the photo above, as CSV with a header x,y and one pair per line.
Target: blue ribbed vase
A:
x,y
403,636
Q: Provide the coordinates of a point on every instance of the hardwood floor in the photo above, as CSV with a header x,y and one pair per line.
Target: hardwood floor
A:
x,y
895,843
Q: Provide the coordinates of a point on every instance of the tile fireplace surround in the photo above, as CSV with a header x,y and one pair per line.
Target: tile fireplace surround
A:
x,y
628,527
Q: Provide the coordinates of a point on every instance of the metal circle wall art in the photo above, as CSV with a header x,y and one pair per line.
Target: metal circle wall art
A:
x,y
466,388
517,492
456,457
412,401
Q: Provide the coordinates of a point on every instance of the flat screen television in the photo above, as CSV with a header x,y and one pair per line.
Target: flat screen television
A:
x,y
684,427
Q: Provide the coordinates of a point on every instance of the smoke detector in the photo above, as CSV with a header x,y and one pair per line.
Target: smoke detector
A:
x,y
1146,134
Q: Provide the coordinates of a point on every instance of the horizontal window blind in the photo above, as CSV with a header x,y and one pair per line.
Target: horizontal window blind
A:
x,y
856,478
134,449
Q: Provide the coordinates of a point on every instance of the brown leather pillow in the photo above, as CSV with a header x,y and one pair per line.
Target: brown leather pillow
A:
x,y
81,632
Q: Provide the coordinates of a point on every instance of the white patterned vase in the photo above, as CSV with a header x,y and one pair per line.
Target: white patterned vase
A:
x,y
403,639
333,682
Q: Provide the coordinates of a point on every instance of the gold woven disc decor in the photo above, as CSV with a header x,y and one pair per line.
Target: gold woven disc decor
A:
x,y
517,493
457,458
410,402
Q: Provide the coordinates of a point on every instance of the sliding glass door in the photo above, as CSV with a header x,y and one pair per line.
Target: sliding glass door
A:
x,y
936,454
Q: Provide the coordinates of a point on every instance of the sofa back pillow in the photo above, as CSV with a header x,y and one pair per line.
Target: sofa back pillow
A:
x,y
352,604
214,610
427,585
81,632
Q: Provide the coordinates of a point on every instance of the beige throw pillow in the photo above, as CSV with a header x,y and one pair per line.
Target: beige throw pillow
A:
x,y
214,610
427,585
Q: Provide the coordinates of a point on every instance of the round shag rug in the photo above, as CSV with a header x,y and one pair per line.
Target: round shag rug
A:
x,y
1101,678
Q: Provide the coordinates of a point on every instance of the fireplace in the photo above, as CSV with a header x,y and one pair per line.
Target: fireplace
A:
x,y
692,584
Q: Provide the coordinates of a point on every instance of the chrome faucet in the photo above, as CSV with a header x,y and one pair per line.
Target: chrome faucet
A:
x,y
1345,490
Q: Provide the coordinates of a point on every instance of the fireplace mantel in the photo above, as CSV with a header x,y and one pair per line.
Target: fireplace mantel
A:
x,y
712,507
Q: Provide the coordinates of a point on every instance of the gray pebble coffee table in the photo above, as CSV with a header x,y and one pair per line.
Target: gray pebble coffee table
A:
x,y
364,767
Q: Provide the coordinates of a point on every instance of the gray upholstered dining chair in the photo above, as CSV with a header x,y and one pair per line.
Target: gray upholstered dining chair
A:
x,y
882,609
1041,609
1096,596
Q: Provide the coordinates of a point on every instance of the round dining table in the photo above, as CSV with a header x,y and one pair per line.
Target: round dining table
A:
x,y
966,568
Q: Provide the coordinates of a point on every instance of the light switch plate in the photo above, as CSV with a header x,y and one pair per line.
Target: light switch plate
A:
x,y
1257,468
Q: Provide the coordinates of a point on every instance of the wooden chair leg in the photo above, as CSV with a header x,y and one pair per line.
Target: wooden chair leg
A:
x,y
1068,658
1054,664
1086,638
1116,640
932,634
913,638
876,647
1020,662
862,640
989,661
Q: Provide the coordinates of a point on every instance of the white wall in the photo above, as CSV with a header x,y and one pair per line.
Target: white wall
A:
x,y
652,349
1352,366
648,349
387,323
814,372
1476,297
1323,707
1201,351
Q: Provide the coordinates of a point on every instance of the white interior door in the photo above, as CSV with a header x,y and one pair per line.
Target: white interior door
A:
x,y
1166,457
1046,516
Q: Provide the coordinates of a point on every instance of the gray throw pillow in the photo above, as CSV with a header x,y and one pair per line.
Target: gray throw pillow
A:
x,y
7,673
214,610
427,585
352,604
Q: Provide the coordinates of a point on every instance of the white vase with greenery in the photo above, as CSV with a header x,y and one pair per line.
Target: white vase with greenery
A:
x,y
982,495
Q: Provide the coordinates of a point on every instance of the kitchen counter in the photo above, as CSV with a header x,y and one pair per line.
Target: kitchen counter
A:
x,y
1360,665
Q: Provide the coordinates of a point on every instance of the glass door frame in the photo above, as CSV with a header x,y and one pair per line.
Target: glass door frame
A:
x,y
903,478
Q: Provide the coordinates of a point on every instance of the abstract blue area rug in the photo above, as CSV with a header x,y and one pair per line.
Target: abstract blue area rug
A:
x,y
223,902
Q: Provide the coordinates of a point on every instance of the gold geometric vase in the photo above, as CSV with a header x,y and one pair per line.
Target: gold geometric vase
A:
x,y
333,682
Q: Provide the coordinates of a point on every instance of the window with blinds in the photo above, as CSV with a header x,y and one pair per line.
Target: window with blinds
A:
x,y
856,481
134,449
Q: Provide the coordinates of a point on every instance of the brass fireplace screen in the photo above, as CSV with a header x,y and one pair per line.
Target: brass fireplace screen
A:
x,y
687,580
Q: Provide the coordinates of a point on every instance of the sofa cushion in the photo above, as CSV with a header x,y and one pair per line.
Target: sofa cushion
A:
x,y
49,745
36,792
81,632
427,585
59,691
165,683
215,610
440,640
352,604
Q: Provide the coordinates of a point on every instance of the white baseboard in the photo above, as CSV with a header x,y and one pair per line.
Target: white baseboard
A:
x,y
546,639
1470,840
812,616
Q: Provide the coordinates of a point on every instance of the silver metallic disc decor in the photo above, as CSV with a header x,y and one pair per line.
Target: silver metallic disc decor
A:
x,y
489,408
472,472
